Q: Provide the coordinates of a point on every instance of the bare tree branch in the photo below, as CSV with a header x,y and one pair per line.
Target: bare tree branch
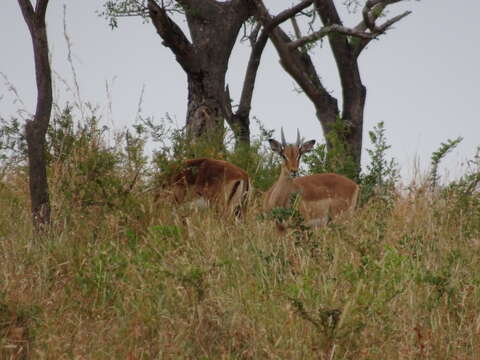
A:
x,y
389,23
173,37
241,118
286,14
259,44
27,11
371,12
41,8
298,64
296,28
254,34
326,30
359,30
37,27
251,73
373,16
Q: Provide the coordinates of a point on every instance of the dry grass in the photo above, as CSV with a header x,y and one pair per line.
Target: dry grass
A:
x,y
399,280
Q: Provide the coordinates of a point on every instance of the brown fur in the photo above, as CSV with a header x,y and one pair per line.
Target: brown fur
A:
x,y
325,196
216,181
322,196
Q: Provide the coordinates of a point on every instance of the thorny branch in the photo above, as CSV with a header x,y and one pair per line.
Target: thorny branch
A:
x,y
372,10
366,30
326,30
258,39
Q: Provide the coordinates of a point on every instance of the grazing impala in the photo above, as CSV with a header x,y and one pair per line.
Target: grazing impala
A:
x,y
206,181
322,196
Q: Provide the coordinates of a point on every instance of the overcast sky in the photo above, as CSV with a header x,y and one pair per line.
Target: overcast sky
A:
x,y
422,78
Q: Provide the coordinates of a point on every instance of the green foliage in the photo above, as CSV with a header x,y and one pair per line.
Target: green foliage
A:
x,y
115,9
336,157
13,145
437,157
257,160
441,280
468,184
289,217
88,166
381,174
186,284
464,197
325,323
61,137
98,278
175,147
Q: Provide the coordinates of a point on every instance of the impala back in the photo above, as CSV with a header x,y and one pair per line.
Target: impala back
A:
x,y
210,181
325,196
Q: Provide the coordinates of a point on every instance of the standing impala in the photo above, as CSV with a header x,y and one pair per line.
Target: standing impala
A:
x,y
321,196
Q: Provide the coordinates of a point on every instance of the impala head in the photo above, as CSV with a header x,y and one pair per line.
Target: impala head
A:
x,y
291,153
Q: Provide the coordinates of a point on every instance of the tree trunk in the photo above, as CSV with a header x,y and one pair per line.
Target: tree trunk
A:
x,y
353,110
240,123
214,28
353,96
37,171
204,112
37,127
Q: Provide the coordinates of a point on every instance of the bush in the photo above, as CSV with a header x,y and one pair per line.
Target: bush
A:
x,y
381,174
337,159
438,156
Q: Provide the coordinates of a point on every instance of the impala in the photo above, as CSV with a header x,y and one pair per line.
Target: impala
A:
x,y
321,196
205,181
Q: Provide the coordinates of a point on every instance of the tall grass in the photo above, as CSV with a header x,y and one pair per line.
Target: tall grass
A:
x,y
124,274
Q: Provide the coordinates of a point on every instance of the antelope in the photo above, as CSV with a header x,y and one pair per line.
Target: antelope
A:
x,y
205,181
321,196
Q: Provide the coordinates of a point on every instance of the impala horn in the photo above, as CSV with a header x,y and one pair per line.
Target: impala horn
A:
x,y
299,140
284,143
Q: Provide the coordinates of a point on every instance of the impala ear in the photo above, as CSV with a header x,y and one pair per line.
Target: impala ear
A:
x,y
275,146
308,146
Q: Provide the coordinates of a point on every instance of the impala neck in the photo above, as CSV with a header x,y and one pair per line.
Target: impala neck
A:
x,y
285,175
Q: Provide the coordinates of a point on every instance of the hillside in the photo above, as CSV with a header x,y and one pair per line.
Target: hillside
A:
x,y
125,274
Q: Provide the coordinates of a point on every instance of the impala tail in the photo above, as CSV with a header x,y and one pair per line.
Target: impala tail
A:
x,y
239,197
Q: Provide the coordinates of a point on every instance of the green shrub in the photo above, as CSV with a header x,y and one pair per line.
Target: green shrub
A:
x,y
336,158
438,156
381,175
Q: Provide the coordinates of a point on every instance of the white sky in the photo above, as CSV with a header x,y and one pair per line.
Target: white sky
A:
x,y
422,78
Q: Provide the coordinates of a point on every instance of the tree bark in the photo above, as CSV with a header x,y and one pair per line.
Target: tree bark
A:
x,y
240,120
353,90
36,128
214,28
204,111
